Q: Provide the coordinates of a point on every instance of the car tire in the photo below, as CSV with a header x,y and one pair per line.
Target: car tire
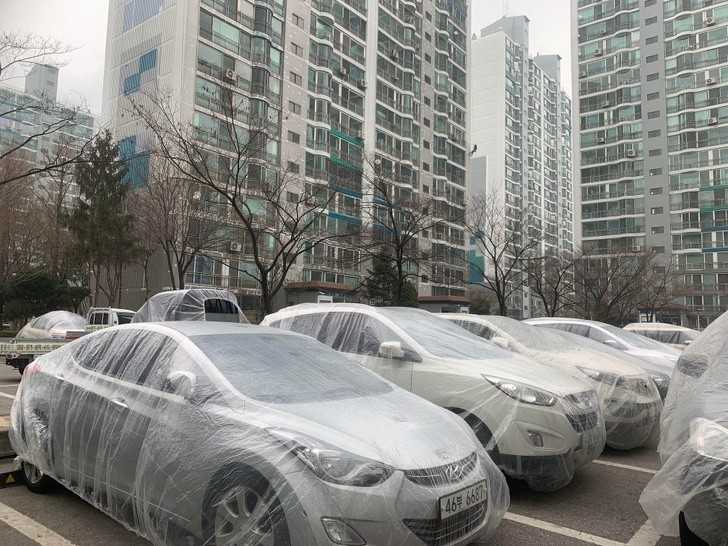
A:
x,y
35,480
687,537
232,506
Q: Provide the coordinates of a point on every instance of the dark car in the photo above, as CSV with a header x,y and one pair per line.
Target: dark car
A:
x,y
689,494
197,304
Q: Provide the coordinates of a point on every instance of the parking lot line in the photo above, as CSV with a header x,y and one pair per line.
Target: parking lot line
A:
x,y
563,531
31,528
646,536
626,467
7,396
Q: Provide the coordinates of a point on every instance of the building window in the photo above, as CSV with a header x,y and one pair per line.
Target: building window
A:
x,y
654,134
657,230
428,59
428,36
296,49
651,40
293,167
427,122
650,21
649,3
295,78
426,144
653,115
651,58
294,107
656,152
656,190
428,16
652,77
658,249
653,96
656,172
427,101
428,80
656,210
297,20
294,137
425,166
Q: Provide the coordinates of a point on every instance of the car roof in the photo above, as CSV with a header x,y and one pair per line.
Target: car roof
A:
x,y
656,326
205,328
306,308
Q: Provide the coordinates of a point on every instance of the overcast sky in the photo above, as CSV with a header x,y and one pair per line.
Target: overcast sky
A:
x,y
82,24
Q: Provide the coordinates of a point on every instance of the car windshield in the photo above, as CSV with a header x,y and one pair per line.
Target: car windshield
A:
x,y
636,340
287,369
543,339
676,337
440,337
125,318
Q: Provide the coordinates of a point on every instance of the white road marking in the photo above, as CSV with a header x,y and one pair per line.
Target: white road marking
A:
x,y
8,386
31,528
563,531
626,467
7,396
646,536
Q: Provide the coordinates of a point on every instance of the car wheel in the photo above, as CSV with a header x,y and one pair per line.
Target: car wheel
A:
x,y
35,480
244,509
687,537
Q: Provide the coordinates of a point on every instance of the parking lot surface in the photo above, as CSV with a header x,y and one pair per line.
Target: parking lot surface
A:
x,y
599,508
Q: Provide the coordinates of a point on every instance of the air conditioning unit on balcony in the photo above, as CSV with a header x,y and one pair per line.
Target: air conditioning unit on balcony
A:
x,y
708,21
602,140
361,84
231,75
236,247
713,121
598,52
631,153
710,81
606,104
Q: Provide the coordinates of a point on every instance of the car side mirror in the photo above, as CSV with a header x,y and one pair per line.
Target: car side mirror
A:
x,y
687,342
391,350
501,341
181,383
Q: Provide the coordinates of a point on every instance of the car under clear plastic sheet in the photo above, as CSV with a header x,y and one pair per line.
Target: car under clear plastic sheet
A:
x,y
54,324
537,423
196,304
629,400
211,433
693,479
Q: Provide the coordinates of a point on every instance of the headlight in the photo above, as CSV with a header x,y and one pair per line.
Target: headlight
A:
x,y
332,464
522,393
599,377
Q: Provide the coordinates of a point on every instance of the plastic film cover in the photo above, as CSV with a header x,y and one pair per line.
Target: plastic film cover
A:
x,y
629,400
197,304
539,424
54,324
694,442
231,434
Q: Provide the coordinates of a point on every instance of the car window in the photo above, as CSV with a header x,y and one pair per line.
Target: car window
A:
x,y
287,369
578,329
480,330
93,353
141,356
356,333
125,318
219,310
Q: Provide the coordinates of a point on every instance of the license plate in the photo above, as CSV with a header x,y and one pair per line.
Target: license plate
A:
x,y
460,501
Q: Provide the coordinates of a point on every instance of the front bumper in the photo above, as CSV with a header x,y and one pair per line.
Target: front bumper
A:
x,y
398,511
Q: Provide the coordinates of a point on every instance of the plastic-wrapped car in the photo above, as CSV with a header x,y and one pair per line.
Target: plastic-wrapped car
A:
x,y
230,434
677,337
60,325
630,402
539,424
657,359
197,304
692,486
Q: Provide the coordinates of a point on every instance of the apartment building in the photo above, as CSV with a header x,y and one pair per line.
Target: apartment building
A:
x,y
345,85
521,133
650,77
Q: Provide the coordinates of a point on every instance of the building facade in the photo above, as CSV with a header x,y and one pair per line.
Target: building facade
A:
x,y
521,133
345,85
649,78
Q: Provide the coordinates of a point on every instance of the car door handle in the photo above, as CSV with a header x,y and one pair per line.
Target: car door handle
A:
x,y
120,402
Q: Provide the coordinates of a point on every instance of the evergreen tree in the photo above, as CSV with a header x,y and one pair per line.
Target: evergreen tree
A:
x,y
100,222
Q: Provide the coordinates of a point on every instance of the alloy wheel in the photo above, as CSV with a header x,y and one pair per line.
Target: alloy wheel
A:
x,y
244,518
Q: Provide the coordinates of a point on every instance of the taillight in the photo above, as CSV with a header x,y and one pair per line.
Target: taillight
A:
x,y
31,369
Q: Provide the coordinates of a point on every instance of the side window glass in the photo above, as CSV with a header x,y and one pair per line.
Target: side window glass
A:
x,y
578,329
139,354
93,352
479,330
598,335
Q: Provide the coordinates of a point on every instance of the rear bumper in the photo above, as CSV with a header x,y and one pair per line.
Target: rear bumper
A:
x,y
631,425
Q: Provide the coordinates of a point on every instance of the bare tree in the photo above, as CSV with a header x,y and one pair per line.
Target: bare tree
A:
x,y
551,281
503,247
171,210
279,216
396,218
17,52
657,289
611,288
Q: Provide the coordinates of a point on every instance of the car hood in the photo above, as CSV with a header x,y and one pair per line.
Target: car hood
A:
x,y
397,428
622,365
514,367
655,361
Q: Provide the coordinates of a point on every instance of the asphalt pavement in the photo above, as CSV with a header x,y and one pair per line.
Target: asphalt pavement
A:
x,y
601,507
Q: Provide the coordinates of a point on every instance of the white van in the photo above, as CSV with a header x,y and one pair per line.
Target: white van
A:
x,y
99,318
538,423
677,337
